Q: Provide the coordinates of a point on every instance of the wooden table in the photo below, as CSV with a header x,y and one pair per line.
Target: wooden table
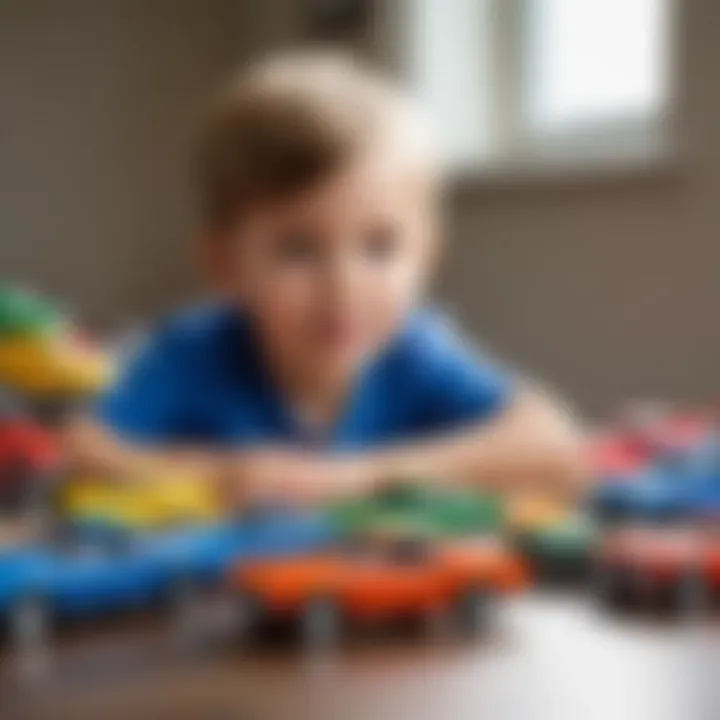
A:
x,y
552,657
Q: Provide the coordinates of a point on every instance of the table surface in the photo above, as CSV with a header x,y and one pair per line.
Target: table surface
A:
x,y
551,657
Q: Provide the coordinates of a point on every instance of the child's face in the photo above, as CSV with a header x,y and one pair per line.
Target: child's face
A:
x,y
330,275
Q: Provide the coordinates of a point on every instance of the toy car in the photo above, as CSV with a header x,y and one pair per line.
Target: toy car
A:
x,y
680,484
142,504
612,455
561,551
40,352
642,438
23,312
78,577
554,538
422,509
529,513
28,455
404,578
641,565
52,365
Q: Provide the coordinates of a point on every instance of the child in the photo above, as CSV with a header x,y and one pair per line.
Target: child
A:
x,y
316,373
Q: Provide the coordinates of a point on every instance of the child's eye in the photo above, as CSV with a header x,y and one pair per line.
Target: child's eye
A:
x,y
381,243
298,247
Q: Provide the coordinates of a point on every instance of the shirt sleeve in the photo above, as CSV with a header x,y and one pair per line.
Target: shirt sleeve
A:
x,y
455,383
144,404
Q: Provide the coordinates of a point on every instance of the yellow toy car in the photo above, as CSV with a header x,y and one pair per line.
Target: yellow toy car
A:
x,y
55,364
529,513
143,505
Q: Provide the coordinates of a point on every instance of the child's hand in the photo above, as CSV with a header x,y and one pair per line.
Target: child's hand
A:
x,y
285,477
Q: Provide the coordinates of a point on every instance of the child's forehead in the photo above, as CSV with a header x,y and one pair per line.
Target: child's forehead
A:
x,y
383,182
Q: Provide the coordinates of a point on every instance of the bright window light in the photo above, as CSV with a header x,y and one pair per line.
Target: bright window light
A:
x,y
449,42
543,81
594,61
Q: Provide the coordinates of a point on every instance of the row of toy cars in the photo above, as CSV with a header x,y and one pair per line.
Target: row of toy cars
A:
x,y
649,442
661,518
67,573
109,544
410,550
405,552
45,365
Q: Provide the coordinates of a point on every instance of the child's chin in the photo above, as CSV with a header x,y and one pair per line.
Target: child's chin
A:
x,y
340,363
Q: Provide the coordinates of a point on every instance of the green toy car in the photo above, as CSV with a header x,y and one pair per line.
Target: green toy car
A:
x,y
23,312
421,510
560,551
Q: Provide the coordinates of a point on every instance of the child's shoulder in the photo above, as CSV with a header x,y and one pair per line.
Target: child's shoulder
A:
x,y
429,333
434,366
196,322
199,332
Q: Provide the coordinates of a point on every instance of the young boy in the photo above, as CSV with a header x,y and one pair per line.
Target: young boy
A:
x,y
316,372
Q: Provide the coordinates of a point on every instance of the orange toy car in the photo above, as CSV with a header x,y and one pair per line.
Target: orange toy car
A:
x,y
376,581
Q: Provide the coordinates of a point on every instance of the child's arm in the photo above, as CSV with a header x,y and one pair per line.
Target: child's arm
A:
x,y
266,474
532,444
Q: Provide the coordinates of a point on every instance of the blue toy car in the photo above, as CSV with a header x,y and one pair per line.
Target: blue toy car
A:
x,y
679,486
91,574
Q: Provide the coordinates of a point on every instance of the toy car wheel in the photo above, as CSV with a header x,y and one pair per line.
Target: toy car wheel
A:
x,y
693,594
184,600
321,623
601,583
472,611
644,588
610,585
29,625
248,616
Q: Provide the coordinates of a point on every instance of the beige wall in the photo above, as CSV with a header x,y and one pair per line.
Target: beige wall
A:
x,y
610,289
606,288
98,100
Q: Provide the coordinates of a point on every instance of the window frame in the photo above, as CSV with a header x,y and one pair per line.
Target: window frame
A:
x,y
615,145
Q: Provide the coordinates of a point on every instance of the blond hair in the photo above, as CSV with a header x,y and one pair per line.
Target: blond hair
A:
x,y
290,122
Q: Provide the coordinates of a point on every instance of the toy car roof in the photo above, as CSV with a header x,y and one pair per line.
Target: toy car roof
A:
x,y
423,510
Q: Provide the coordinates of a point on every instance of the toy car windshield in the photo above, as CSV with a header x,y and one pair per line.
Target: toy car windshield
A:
x,y
401,550
86,538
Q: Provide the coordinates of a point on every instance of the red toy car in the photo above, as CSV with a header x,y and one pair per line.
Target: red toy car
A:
x,y
643,564
28,453
372,582
640,437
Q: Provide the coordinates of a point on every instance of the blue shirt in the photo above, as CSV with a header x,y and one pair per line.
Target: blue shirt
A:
x,y
201,379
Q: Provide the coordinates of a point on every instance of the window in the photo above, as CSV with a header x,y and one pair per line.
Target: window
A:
x,y
543,81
